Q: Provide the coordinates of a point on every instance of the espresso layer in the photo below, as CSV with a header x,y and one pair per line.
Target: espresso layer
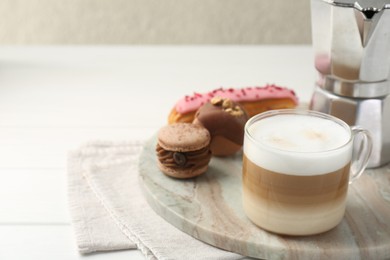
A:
x,y
291,220
294,204
284,188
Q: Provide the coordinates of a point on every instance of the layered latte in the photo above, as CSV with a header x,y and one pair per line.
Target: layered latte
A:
x,y
296,173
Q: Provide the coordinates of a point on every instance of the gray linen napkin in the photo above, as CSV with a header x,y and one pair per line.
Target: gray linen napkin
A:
x,y
109,212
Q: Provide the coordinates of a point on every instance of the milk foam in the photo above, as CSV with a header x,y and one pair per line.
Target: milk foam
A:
x,y
298,144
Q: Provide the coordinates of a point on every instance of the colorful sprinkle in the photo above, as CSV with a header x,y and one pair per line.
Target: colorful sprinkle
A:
x,y
192,103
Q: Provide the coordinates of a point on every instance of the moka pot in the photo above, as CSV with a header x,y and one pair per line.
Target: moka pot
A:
x,y
351,41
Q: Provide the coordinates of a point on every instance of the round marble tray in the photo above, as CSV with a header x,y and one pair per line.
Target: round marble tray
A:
x,y
209,208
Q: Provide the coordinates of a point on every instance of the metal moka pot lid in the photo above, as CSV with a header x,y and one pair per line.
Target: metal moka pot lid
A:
x,y
367,7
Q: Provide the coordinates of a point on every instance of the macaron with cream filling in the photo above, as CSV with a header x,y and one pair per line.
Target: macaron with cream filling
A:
x,y
183,150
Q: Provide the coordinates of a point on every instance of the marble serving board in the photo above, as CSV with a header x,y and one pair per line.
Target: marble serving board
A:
x,y
209,208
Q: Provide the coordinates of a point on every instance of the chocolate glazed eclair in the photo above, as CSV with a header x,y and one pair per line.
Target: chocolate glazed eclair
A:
x,y
183,150
225,120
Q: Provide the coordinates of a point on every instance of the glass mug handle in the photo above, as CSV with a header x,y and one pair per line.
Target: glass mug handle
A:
x,y
362,147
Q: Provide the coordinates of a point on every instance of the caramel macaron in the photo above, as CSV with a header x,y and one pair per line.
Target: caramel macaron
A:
x,y
225,120
183,150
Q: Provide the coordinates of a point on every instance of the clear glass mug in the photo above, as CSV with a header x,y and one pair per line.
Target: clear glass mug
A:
x,y
297,166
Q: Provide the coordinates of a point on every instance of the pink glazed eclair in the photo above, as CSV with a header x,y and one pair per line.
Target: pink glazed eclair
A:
x,y
254,100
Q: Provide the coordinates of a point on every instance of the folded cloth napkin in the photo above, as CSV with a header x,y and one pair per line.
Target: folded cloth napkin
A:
x,y
109,212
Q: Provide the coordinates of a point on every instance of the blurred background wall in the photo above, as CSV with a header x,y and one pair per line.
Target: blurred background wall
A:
x,y
154,22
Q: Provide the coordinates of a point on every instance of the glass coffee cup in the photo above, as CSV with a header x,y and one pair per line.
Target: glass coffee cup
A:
x,y
297,166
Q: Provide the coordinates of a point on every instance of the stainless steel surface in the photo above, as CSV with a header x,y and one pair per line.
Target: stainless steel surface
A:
x,y
364,5
351,42
372,114
354,88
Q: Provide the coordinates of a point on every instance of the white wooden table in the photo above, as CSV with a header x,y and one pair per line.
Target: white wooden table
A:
x,y
52,99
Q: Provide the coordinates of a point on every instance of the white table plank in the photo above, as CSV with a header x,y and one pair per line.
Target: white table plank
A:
x,y
133,86
48,242
47,147
33,169
32,196
60,138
